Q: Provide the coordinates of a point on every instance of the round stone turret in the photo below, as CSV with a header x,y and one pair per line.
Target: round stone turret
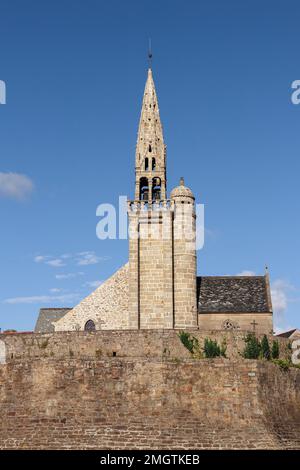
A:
x,y
184,257
182,193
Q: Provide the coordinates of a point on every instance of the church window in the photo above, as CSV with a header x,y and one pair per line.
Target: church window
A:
x,y
90,326
146,164
144,189
229,325
153,163
156,189
150,148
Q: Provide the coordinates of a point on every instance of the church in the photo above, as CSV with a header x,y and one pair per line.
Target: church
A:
x,y
159,287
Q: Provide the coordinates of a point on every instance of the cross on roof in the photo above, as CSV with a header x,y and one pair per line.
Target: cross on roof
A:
x,y
254,323
150,54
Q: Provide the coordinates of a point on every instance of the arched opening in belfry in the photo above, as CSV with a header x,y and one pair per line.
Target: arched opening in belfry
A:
x,y
90,326
144,189
146,164
150,148
153,164
156,189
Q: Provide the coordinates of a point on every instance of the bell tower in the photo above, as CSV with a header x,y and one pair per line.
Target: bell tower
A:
x,y
150,157
160,241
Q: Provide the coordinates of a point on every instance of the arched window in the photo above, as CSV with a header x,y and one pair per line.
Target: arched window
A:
x,y
153,163
146,164
90,326
150,148
144,189
156,189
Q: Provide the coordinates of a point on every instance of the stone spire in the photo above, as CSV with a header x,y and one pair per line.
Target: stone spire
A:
x,y
150,159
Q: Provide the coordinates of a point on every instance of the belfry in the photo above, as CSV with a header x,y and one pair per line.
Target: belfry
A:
x,y
162,254
150,156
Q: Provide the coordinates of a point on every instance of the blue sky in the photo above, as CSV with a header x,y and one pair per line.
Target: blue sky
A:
x,y
75,73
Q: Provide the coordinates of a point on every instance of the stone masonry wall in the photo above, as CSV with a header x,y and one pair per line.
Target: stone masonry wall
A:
x,y
147,403
141,389
159,344
185,264
243,321
107,306
155,272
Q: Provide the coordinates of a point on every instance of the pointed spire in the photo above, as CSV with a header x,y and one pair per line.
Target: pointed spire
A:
x,y
150,134
150,160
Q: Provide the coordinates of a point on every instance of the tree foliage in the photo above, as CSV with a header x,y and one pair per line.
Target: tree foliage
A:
x,y
189,341
265,348
252,347
212,349
275,349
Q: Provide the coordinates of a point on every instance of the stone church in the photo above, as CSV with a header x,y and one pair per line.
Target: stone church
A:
x,y
159,288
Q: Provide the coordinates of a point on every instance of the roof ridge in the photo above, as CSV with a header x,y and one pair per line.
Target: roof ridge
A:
x,y
233,276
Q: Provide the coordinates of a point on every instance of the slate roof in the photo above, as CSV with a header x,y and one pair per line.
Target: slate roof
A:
x,y
235,294
47,316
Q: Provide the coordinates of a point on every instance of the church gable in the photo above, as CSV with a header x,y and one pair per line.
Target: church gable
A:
x,y
106,307
235,303
47,317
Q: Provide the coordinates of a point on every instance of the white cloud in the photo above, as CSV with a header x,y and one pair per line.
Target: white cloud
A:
x,y
279,296
83,258
55,290
246,273
56,263
68,275
15,186
40,259
280,290
93,284
86,258
43,299
66,256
